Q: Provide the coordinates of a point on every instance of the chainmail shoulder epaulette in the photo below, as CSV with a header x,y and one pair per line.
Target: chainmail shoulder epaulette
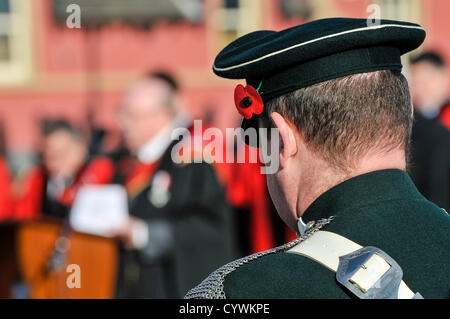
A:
x,y
213,286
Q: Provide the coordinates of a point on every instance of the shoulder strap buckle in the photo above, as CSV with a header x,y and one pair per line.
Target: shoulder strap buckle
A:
x,y
370,273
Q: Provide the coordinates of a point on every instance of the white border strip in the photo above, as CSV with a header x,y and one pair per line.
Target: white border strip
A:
x,y
315,40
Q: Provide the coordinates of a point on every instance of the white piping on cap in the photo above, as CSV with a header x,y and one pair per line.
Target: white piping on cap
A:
x,y
315,40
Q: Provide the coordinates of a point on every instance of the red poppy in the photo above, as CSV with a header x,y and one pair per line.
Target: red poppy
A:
x,y
248,101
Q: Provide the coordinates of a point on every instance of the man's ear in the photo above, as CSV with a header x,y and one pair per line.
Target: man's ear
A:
x,y
288,144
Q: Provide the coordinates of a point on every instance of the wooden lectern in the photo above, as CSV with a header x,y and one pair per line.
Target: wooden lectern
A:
x,y
96,257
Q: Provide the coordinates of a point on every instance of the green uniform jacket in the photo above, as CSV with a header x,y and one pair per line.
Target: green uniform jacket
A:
x,y
381,209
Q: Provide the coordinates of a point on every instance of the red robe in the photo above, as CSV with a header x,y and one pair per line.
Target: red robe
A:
x,y
248,189
5,191
444,115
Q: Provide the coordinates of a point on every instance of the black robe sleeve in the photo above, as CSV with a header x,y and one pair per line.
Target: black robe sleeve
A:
x,y
191,236
203,233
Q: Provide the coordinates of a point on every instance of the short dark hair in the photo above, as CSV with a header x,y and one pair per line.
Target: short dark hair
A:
x,y
50,126
170,82
430,57
166,77
345,118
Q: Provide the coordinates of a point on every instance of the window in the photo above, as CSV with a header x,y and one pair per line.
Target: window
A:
x,y
4,30
296,9
15,42
238,17
141,12
407,10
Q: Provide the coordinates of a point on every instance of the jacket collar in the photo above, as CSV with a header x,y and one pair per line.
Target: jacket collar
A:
x,y
362,190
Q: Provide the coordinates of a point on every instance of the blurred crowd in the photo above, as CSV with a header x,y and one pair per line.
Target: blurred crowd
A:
x,y
186,220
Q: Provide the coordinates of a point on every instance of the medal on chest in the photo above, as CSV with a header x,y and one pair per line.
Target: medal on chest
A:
x,y
158,193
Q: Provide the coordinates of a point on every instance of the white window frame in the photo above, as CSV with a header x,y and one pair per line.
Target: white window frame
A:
x,y
243,19
17,69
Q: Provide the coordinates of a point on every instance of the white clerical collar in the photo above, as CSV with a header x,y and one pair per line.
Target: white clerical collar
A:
x,y
155,148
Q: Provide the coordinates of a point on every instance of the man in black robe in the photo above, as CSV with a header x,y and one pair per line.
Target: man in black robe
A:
x,y
430,83
430,162
180,227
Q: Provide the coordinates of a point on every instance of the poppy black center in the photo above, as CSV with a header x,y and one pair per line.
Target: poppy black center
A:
x,y
247,101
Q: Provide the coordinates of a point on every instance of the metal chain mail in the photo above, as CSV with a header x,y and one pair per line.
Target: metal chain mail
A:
x,y
212,287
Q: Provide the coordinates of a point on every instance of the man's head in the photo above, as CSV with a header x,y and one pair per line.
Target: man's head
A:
x,y
335,126
147,107
334,89
429,82
64,148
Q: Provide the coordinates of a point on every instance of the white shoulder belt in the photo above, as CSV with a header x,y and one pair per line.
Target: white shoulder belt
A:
x,y
326,247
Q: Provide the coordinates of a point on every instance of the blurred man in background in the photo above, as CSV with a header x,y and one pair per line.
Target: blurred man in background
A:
x,y
430,162
181,228
430,87
51,187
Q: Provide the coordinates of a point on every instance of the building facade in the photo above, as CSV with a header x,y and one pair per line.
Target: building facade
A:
x,y
48,70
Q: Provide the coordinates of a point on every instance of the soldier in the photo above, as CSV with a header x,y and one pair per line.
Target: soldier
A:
x,y
334,90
